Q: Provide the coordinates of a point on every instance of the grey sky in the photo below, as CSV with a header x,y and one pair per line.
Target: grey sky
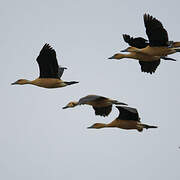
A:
x,y
39,140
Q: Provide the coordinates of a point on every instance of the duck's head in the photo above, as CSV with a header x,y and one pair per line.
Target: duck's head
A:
x,y
129,49
20,82
117,56
97,126
71,105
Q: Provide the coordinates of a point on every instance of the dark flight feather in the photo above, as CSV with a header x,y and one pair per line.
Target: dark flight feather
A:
x,y
155,31
103,111
128,113
149,67
138,42
48,64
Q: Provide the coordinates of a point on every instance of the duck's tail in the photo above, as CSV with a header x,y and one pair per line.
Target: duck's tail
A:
x,y
118,103
177,49
168,58
140,127
148,126
71,82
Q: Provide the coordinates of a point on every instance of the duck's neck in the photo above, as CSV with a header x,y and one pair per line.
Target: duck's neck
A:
x,y
103,125
122,56
25,81
131,55
75,103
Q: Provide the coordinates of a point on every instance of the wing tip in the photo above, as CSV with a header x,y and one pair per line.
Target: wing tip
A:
x,y
147,17
126,38
47,45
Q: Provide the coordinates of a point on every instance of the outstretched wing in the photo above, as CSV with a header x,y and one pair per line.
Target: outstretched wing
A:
x,y
149,67
138,42
48,64
91,98
155,31
98,103
127,113
103,111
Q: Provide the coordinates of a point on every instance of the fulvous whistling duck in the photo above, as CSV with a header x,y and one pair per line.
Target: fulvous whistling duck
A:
x,y
50,71
101,105
159,45
148,63
128,119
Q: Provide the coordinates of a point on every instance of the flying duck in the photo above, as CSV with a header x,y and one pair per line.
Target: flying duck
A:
x,y
128,119
101,105
50,71
148,63
159,45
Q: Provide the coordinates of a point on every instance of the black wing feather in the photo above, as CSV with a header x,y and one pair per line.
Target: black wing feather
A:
x,y
149,67
103,111
127,113
138,42
89,98
48,64
155,31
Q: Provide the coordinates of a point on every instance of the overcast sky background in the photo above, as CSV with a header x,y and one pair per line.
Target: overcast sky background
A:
x,y
39,140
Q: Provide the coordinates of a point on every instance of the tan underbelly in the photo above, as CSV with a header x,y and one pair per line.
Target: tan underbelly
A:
x,y
48,82
127,124
147,58
158,51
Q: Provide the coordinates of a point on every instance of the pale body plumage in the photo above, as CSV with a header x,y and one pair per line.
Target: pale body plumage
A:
x,y
46,82
101,105
123,124
154,51
149,53
50,71
128,119
137,56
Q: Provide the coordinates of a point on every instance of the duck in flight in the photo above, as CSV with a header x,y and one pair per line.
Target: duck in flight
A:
x,y
128,119
101,105
149,52
148,63
159,44
50,71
